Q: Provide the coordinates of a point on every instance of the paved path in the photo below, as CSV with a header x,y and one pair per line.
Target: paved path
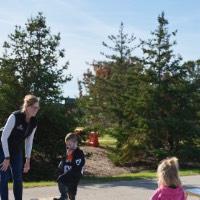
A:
x,y
120,190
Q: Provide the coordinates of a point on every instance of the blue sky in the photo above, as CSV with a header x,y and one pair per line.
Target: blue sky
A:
x,y
84,24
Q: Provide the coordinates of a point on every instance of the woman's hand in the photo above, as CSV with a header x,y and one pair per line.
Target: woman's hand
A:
x,y
5,164
27,165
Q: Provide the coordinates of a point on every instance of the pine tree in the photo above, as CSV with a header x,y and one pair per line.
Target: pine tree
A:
x,y
9,90
111,88
169,112
35,55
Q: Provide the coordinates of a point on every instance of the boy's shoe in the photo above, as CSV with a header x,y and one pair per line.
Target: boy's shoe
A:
x,y
59,198
71,196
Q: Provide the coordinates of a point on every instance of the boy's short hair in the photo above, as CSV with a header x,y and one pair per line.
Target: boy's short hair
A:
x,y
71,136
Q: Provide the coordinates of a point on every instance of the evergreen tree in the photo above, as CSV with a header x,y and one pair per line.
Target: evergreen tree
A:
x,y
171,117
35,55
10,90
111,88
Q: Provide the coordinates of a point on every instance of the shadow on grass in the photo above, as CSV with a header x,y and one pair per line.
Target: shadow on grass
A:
x,y
104,182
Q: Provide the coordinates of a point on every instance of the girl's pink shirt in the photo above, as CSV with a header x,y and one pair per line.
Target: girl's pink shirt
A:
x,y
167,193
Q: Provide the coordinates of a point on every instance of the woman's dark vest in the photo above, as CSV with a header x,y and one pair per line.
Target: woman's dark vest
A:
x,y
20,132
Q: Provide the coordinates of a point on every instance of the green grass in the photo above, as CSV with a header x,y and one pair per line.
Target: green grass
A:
x,y
149,174
122,177
128,177
107,141
189,172
37,184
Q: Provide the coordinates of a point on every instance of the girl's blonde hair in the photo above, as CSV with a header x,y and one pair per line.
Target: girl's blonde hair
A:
x,y
167,172
29,100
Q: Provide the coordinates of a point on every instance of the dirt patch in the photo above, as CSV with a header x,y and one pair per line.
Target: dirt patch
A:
x,y
98,163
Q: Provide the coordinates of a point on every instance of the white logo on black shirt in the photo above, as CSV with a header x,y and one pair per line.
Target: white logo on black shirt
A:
x,y
67,168
20,127
78,162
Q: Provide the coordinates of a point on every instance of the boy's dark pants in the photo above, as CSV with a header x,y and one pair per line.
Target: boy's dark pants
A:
x,y
67,191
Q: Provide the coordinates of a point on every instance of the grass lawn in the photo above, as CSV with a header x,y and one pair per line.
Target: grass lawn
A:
x,y
139,175
107,141
36,184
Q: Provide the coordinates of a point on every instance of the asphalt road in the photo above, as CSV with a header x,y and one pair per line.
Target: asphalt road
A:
x,y
119,190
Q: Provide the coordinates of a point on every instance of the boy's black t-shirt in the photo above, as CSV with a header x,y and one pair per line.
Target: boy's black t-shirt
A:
x,y
70,171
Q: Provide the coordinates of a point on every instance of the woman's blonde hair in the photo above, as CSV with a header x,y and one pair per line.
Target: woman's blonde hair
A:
x,y
167,172
29,100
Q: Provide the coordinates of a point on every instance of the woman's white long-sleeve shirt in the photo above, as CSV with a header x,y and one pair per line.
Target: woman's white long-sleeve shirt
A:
x,y
10,124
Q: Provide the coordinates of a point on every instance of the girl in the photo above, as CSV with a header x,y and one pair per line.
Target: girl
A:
x,y
169,183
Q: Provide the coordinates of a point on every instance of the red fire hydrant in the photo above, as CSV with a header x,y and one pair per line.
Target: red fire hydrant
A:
x,y
93,139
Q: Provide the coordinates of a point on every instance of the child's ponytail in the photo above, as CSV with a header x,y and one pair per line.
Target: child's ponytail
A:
x,y
173,161
168,173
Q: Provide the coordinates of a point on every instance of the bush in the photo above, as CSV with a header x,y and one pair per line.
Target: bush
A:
x,y
188,153
42,169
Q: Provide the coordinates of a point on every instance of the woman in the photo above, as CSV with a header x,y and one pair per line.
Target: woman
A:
x,y
20,126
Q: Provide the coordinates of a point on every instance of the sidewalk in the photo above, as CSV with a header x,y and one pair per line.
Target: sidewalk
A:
x,y
120,190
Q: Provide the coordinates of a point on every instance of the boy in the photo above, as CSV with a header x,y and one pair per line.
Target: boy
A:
x,y
70,169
